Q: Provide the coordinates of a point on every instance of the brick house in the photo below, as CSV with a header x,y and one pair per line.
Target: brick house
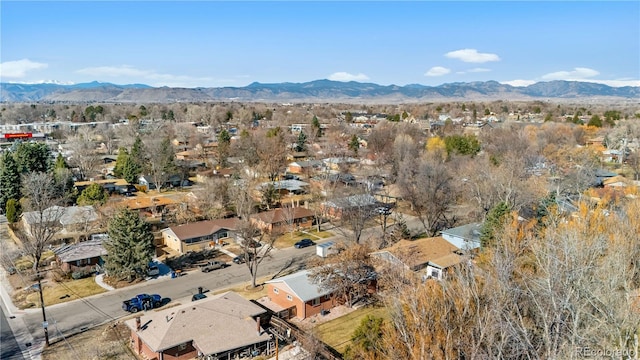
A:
x,y
76,256
199,235
297,296
280,220
221,326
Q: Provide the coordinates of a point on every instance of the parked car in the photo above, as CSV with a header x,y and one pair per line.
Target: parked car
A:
x,y
142,302
303,243
153,270
198,296
242,258
212,265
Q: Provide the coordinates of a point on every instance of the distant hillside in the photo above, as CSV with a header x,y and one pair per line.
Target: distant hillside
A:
x,y
314,91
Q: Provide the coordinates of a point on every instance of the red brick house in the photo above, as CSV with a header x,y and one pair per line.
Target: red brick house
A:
x,y
280,220
76,256
221,326
298,296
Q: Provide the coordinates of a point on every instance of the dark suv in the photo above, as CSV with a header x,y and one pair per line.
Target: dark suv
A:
x,y
303,243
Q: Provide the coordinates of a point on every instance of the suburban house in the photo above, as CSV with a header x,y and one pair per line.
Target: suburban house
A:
x,y
337,208
199,235
222,326
283,219
307,167
465,237
286,187
295,295
77,222
71,257
429,257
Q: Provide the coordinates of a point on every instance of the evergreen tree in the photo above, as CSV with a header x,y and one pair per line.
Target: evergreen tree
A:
x,y
494,221
367,339
130,170
224,142
315,124
13,210
123,155
595,121
32,157
60,163
130,245
94,194
301,143
9,180
354,144
137,152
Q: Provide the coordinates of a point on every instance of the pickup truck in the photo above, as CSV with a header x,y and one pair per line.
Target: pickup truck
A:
x,y
212,265
142,302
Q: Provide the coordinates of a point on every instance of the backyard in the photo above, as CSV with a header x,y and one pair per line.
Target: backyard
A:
x,y
337,333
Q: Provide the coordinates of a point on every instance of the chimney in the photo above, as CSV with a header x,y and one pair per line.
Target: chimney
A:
x,y
258,325
138,323
199,289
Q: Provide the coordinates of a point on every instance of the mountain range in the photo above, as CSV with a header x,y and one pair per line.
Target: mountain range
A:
x,y
314,91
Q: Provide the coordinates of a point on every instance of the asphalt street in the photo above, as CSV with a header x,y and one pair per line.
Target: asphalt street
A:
x,y
9,349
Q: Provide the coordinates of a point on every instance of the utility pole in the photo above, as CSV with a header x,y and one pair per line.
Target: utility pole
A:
x,y
45,325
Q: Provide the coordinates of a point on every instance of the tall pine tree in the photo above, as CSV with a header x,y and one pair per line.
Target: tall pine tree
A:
x,y
9,180
130,245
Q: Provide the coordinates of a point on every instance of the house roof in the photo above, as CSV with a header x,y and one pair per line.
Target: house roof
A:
x,y
300,285
80,251
216,324
65,215
359,200
289,185
202,228
415,254
282,215
469,232
147,202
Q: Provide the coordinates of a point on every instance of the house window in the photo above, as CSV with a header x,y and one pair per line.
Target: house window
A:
x,y
289,297
275,291
182,347
435,273
326,297
315,302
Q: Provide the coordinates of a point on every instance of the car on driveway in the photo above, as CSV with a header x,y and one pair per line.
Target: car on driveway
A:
x,y
303,243
198,296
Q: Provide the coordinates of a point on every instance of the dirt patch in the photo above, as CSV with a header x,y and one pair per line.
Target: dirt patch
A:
x,y
109,341
120,283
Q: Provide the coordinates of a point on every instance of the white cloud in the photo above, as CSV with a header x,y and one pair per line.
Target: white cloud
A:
x,y
437,71
472,56
19,68
345,76
578,73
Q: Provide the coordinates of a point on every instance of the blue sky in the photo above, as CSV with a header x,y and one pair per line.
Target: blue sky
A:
x,y
215,43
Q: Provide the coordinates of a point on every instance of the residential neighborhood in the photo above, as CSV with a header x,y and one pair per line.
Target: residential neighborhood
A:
x,y
259,237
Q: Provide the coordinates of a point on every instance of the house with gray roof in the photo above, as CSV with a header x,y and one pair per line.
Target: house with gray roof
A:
x,y
223,326
465,237
74,223
296,295
71,257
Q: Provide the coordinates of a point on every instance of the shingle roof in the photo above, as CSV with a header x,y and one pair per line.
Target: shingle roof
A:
x,y
282,215
203,228
417,253
469,232
301,286
64,215
80,251
217,324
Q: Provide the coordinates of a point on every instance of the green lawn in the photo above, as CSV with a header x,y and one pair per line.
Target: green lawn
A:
x,y
337,333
